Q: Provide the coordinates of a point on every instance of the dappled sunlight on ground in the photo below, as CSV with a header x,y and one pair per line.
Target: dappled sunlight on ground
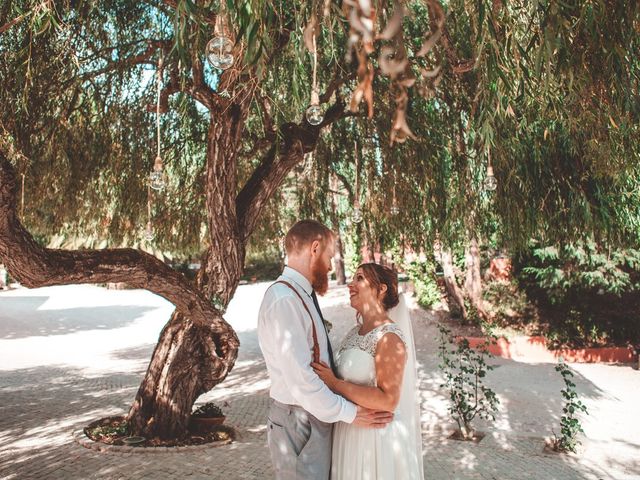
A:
x,y
83,326
71,355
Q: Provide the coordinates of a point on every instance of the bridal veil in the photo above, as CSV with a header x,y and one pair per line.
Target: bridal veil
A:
x,y
408,410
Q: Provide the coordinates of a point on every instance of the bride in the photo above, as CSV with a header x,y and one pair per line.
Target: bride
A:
x,y
376,368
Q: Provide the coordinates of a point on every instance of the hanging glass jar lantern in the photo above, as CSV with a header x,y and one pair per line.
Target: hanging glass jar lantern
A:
x,y
490,182
356,214
157,178
314,113
219,50
149,234
395,209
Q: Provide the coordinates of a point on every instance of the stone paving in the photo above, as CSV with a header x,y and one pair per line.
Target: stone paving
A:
x,y
70,355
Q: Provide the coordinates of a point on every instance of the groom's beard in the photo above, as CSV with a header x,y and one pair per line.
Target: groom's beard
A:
x,y
320,278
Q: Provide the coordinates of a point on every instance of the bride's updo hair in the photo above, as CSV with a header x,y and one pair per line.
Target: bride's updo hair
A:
x,y
377,275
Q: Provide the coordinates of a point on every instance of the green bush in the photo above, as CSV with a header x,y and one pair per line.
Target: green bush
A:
x,y
464,370
262,266
423,276
508,305
208,410
589,296
570,425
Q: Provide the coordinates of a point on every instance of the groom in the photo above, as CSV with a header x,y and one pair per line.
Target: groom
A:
x,y
302,410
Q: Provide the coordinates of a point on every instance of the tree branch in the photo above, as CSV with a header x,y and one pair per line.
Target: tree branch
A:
x,y
267,118
298,139
141,58
196,89
20,18
13,22
346,184
35,266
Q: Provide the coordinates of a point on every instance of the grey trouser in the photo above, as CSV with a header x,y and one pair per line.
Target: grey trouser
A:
x,y
299,443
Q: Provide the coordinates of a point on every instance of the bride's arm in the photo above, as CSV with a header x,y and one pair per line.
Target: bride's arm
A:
x,y
390,359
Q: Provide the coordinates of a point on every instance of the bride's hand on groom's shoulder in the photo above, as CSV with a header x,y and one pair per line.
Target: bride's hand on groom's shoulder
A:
x,y
325,373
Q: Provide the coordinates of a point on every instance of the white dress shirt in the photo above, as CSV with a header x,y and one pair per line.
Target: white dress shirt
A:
x,y
286,340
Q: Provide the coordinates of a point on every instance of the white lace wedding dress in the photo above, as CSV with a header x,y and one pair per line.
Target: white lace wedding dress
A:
x,y
366,453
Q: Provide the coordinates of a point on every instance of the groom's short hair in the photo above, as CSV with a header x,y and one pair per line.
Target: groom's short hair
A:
x,y
305,232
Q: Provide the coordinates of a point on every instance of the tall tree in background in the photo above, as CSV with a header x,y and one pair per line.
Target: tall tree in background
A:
x,y
549,89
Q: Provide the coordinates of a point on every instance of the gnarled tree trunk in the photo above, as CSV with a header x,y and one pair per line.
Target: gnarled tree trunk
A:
x,y
454,294
197,348
473,278
186,361
190,360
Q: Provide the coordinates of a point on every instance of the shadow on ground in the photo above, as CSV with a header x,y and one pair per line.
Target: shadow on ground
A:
x,y
42,406
14,323
39,407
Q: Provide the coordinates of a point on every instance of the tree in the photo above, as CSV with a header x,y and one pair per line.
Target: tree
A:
x,y
75,102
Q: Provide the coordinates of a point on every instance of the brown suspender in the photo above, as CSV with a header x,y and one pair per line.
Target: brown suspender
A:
x,y
316,347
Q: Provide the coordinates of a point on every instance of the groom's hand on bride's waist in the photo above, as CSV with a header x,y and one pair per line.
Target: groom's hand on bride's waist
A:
x,y
372,418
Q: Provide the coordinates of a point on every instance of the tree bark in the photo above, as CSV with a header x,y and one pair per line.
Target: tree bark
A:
x,y
183,363
454,294
473,278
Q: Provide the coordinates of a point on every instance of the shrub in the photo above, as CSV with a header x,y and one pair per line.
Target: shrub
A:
x,y
263,266
208,410
423,276
464,370
570,425
589,296
509,305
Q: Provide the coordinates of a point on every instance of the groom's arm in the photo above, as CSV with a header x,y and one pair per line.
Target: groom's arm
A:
x,y
284,323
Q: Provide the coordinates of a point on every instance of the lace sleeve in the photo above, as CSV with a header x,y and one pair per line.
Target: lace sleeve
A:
x,y
389,328
369,342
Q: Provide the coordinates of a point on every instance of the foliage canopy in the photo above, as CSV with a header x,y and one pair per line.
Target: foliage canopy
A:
x,y
546,89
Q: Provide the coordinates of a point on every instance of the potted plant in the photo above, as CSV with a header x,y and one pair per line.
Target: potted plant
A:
x,y
208,414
